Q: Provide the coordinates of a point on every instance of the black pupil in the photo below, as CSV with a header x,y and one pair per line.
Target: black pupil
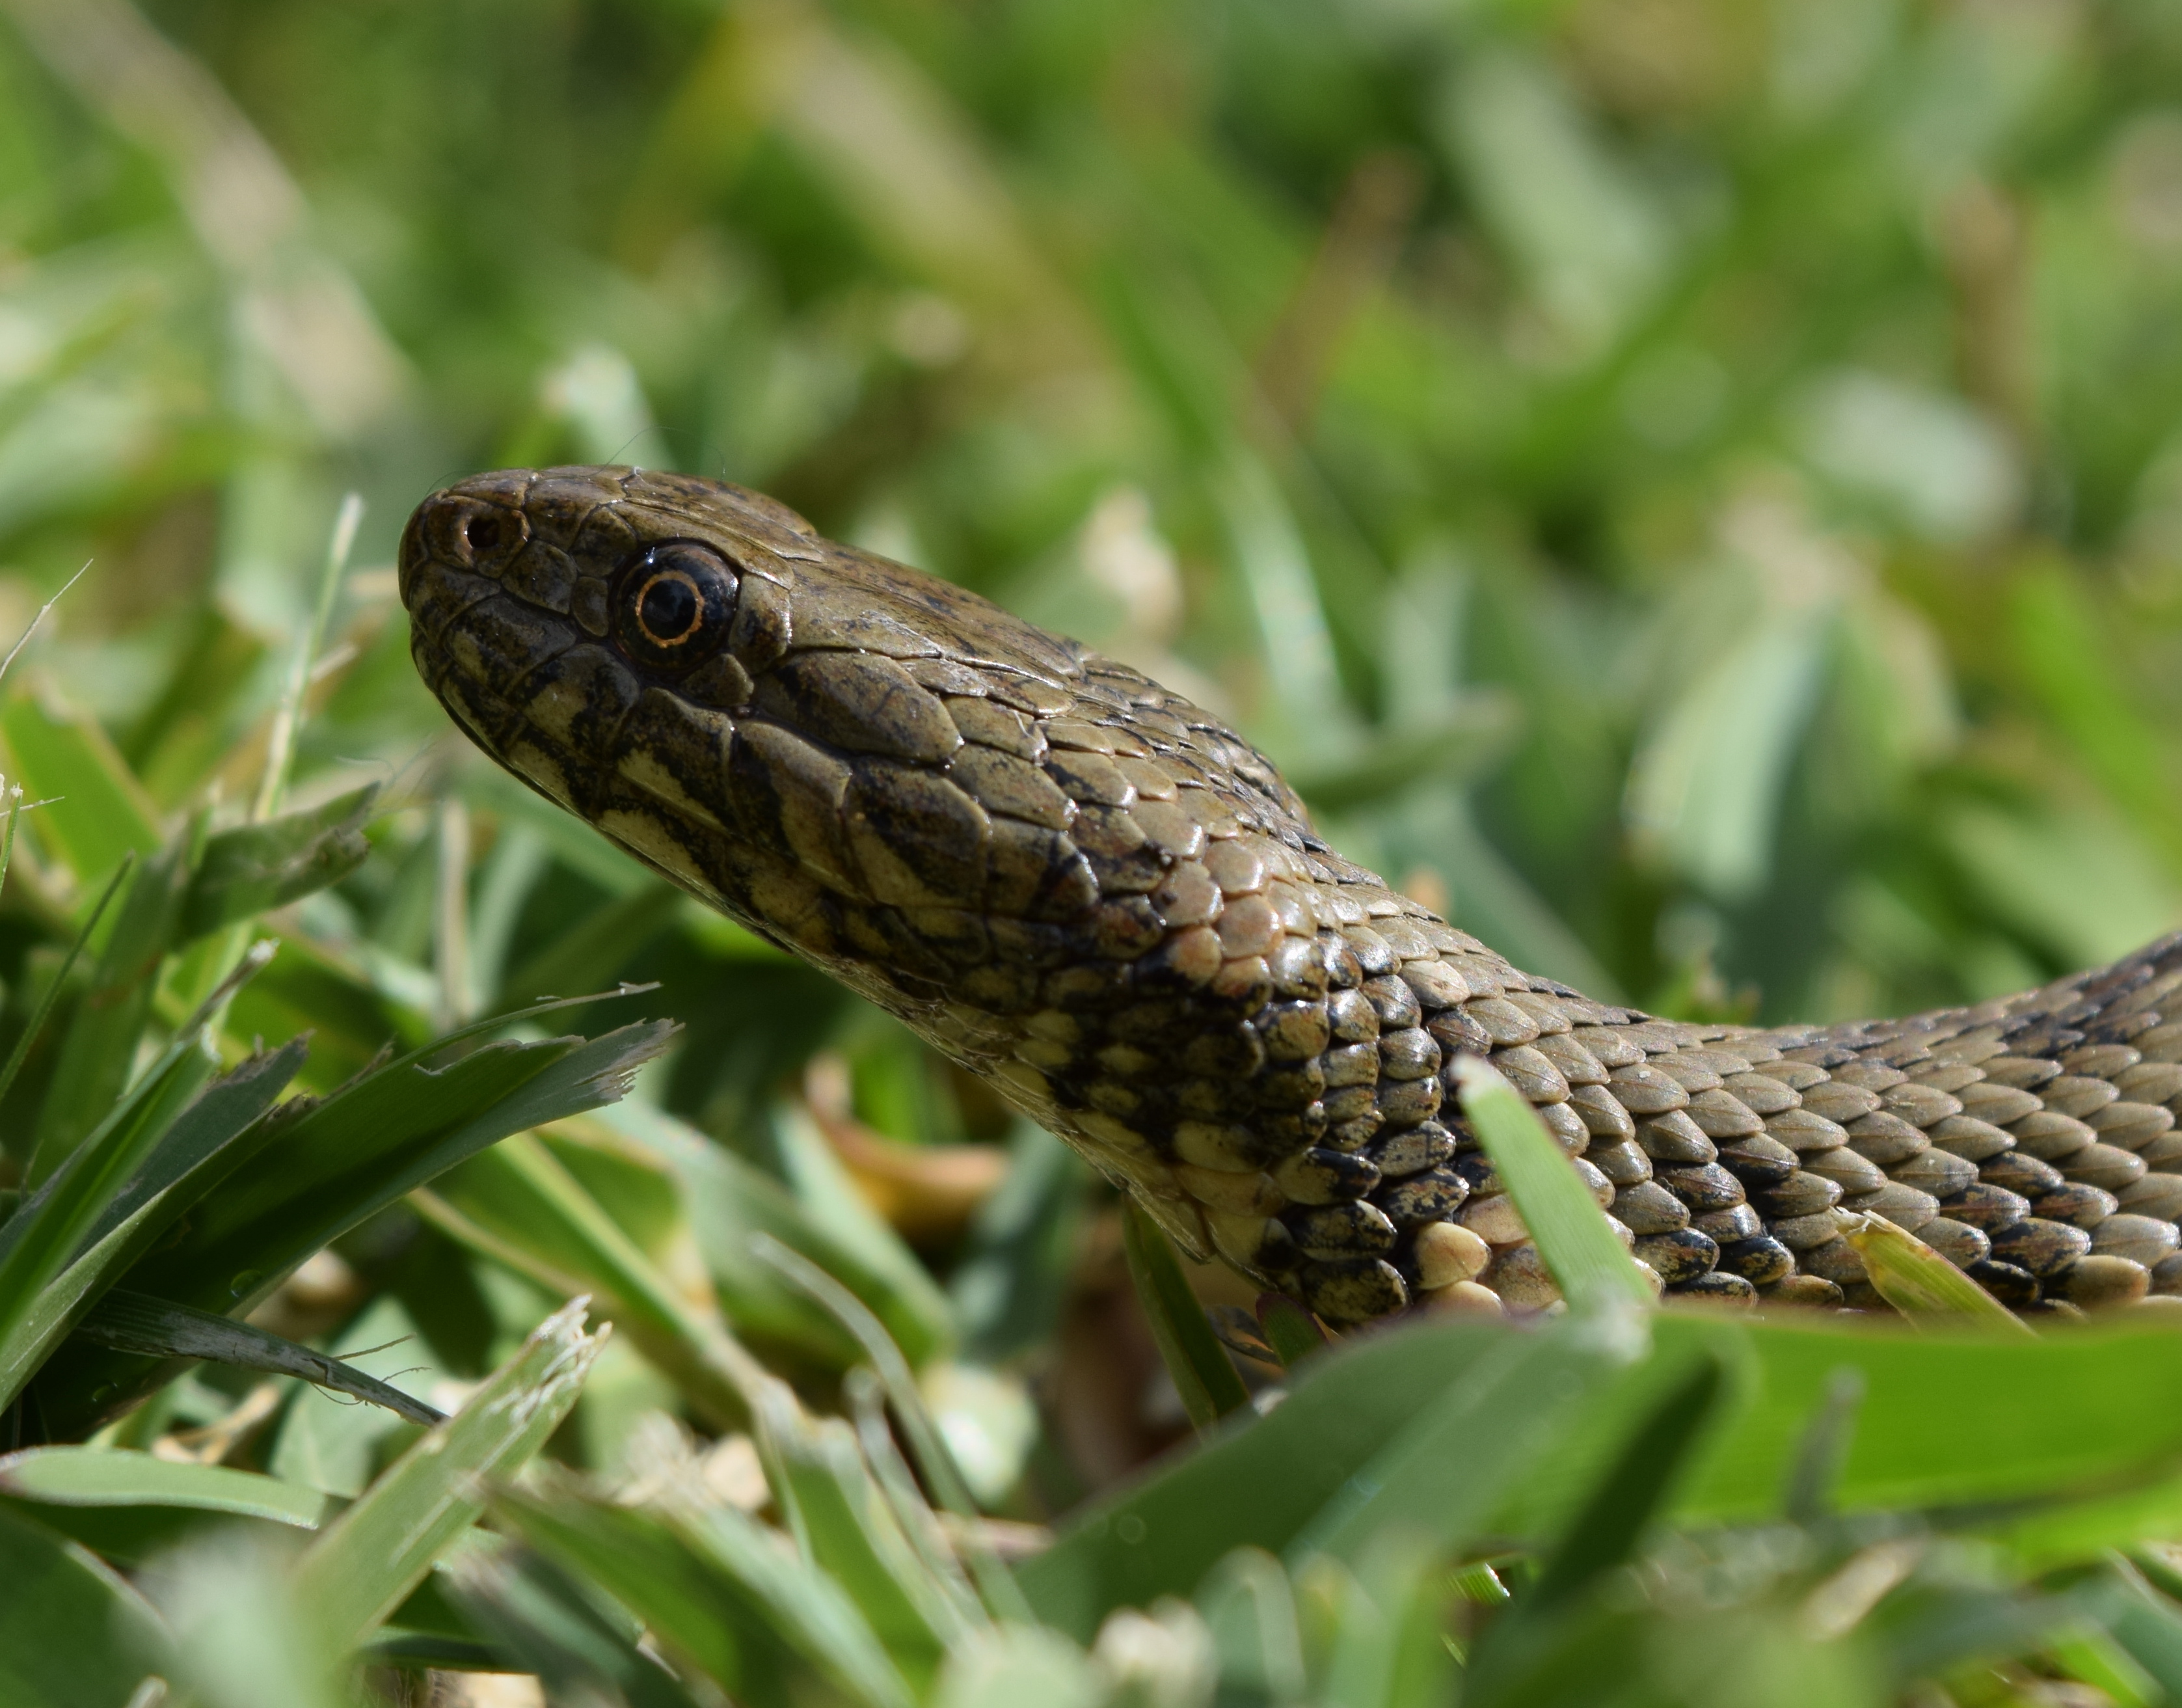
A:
x,y
483,533
668,609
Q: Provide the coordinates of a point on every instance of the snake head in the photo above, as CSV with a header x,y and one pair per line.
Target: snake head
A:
x,y
881,771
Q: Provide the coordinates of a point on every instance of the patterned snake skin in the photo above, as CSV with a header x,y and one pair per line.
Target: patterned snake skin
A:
x,y
1109,906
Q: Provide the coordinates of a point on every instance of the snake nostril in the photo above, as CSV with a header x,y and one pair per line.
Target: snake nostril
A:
x,y
481,533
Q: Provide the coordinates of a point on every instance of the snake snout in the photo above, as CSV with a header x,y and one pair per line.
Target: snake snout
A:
x,y
464,529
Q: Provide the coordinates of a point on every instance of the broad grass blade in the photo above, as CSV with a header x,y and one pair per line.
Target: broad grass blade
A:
x,y
515,1202
830,1198
73,1633
1607,1530
256,867
98,1052
2144,1623
387,1133
846,1529
376,1552
40,1241
211,1139
1596,1275
934,1461
2092,1414
30,1032
1441,1477
581,1645
721,1593
99,813
127,1504
1259,1482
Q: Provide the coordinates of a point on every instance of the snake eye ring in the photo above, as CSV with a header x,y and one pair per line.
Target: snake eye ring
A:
x,y
674,605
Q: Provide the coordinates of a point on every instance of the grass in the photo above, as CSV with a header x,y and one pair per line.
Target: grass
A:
x,y
1691,487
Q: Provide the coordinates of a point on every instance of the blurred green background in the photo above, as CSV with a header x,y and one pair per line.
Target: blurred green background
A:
x,y
1691,487
1695,485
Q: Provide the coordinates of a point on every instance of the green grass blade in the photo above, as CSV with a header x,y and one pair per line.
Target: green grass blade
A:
x,y
1441,1477
1020,1663
520,1203
2092,1657
593,948
60,979
1249,1607
188,1151
40,1242
582,1646
828,1197
2144,1623
1389,1646
212,1138
73,1634
1015,1276
1454,749
1628,1495
98,1052
1922,1285
2094,1415
200,1150
14,812
100,813
848,1531
731,1202
1822,1448
1330,1463
1207,1383
934,1461
394,1130
44,611
29,1338
157,1329
363,1564
288,715
1596,1275
443,1043
256,867
891,1474
1606,1530
102,1478
720,1592
1290,1330
244,1635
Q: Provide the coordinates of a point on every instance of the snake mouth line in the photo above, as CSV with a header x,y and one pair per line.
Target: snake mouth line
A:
x,y
1106,904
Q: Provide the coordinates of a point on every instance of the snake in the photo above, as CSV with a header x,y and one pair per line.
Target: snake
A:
x,y
1107,905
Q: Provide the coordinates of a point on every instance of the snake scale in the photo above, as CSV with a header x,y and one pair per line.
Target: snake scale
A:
x,y
1109,906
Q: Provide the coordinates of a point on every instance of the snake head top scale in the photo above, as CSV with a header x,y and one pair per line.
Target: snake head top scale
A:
x,y
1101,900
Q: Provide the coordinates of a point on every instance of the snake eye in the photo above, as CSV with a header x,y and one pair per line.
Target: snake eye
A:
x,y
676,602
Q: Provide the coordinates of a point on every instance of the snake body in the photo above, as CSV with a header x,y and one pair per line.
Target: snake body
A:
x,y
1107,904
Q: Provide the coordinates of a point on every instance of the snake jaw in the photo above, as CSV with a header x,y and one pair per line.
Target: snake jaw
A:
x,y
1109,906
